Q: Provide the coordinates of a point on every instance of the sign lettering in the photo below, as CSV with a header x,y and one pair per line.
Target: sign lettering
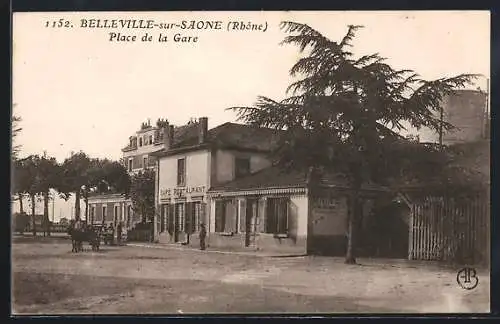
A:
x,y
180,192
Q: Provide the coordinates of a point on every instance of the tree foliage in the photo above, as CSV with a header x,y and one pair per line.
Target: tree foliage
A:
x,y
16,129
75,176
142,194
344,113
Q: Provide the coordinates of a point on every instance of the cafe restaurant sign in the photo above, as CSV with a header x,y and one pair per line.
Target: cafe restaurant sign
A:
x,y
180,192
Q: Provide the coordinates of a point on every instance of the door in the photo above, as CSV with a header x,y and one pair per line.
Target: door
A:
x,y
180,222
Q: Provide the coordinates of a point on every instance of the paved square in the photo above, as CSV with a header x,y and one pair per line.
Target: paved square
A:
x,y
49,279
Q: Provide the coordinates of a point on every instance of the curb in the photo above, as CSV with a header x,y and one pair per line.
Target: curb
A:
x,y
167,247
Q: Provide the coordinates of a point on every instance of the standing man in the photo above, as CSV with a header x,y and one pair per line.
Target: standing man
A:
x,y
203,235
119,233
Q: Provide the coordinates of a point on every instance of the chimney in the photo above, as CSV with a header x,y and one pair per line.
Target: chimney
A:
x,y
167,135
202,130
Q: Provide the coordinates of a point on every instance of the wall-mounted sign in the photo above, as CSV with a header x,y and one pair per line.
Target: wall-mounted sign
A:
x,y
181,192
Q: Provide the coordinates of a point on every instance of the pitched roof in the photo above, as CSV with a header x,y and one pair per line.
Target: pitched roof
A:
x,y
228,135
475,156
276,177
272,177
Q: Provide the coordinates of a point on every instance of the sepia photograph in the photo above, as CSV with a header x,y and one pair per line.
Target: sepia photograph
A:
x,y
250,162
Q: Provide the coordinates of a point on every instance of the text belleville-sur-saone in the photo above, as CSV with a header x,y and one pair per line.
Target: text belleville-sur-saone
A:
x,y
150,24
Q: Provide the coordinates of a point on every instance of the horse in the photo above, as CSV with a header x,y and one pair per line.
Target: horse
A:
x,y
81,233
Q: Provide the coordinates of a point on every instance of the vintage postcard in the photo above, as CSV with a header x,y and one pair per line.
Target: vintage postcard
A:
x,y
294,162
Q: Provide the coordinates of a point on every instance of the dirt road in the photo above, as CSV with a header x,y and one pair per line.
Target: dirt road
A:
x,y
48,279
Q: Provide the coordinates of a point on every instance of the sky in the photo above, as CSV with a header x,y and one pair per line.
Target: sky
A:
x,y
76,90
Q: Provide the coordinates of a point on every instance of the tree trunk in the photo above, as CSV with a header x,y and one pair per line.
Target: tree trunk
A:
x,y
46,222
33,220
21,206
350,257
143,215
77,205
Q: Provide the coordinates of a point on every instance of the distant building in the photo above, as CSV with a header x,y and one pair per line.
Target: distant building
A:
x,y
136,156
467,111
112,207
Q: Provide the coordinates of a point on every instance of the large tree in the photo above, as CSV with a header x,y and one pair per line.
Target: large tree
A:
x,y
344,113
21,181
142,194
75,176
49,174
31,165
105,176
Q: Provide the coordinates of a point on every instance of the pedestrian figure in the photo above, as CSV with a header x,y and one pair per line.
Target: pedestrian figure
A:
x,y
203,235
119,233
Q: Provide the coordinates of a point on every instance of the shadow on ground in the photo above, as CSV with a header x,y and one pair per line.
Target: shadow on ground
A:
x,y
35,293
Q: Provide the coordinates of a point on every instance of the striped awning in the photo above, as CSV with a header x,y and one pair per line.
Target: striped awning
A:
x,y
257,191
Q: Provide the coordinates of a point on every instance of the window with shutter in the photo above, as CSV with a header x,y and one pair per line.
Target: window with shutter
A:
x,y
181,172
219,216
277,216
181,217
196,216
230,217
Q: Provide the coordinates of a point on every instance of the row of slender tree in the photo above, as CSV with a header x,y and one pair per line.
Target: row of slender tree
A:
x,y
79,175
34,176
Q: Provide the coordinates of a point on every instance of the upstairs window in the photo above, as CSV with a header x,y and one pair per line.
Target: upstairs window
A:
x,y
242,167
181,172
140,141
150,139
145,162
130,165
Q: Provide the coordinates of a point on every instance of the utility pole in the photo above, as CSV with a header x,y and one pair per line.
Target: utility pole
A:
x,y
441,117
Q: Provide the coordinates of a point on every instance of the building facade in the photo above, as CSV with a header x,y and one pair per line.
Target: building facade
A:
x,y
115,208
224,178
467,110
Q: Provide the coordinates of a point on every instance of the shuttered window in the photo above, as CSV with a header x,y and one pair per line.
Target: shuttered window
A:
x,y
219,216
226,214
198,215
277,216
181,172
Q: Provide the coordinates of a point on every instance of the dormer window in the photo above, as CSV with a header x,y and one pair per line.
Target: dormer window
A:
x,y
242,167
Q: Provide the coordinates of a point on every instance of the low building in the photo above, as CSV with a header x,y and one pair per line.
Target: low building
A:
x,y
112,207
224,178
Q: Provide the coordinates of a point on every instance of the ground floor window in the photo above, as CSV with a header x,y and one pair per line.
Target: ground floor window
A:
x,y
92,213
277,215
180,218
115,214
104,213
197,215
226,216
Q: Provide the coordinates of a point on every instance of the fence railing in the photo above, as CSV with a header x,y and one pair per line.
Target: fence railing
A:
x,y
450,229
